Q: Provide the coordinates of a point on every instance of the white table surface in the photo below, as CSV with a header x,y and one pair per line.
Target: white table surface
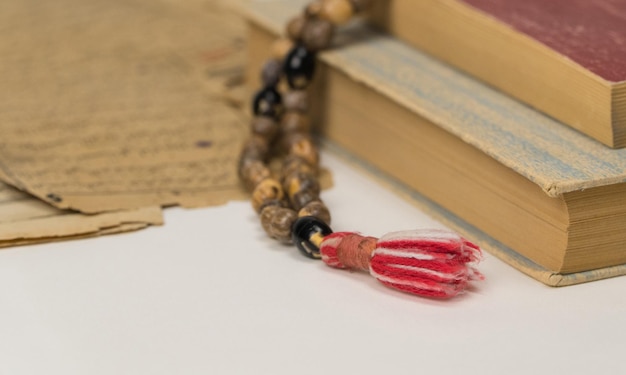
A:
x,y
208,294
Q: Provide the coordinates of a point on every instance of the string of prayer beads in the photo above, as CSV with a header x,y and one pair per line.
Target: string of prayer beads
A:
x,y
429,263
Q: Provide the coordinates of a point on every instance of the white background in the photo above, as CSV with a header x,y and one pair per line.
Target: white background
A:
x,y
208,294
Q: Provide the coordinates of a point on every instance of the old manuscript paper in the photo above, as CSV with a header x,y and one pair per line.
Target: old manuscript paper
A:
x,y
111,105
113,108
27,220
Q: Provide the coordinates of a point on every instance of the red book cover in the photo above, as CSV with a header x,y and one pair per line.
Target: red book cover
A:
x,y
592,33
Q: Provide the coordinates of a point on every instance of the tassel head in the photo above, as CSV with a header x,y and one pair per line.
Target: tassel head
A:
x,y
432,263
429,263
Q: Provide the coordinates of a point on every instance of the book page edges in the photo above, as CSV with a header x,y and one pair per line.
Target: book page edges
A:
x,y
486,242
550,187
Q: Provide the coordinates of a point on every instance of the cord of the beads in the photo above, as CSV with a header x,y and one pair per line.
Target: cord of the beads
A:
x,y
282,122
430,263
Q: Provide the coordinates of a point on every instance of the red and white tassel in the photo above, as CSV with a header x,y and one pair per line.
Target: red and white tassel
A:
x,y
429,263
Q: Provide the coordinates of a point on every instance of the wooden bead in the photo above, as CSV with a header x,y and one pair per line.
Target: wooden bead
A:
x,y
267,190
272,70
301,145
256,147
299,182
313,9
295,27
281,48
265,127
287,139
317,34
273,202
302,198
316,209
277,222
252,172
360,5
337,11
296,100
266,216
295,122
302,189
293,164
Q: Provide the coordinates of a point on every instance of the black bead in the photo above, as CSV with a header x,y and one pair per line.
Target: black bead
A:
x,y
303,230
299,67
267,102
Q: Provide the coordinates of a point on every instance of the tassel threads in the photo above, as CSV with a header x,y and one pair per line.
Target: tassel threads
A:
x,y
430,263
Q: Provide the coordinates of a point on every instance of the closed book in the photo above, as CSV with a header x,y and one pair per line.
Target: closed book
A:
x,y
566,58
540,195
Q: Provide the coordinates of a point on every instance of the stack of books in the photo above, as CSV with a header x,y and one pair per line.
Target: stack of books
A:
x,y
484,115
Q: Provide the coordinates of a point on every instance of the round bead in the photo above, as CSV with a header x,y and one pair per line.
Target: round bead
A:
x,y
265,127
303,197
268,190
294,164
306,233
256,147
295,27
267,102
272,70
337,11
301,189
273,202
301,145
296,100
297,182
299,67
277,222
317,34
316,209
314,8
252,172
295,122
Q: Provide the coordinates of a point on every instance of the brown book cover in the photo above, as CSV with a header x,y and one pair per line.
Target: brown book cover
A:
x,y
590,33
